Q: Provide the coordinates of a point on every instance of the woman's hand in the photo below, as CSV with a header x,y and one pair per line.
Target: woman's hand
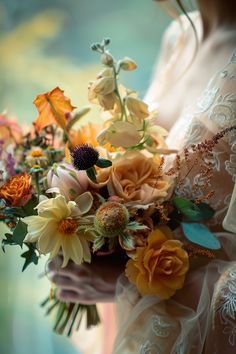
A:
x,y
87,283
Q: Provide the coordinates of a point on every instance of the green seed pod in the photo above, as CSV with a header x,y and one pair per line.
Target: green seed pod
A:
x,y
111,219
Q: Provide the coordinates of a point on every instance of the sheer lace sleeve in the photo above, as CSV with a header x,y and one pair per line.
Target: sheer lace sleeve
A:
x,y
222,334
201,317
213,112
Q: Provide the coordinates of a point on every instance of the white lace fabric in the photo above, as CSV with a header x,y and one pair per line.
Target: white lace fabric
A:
x,y
201,317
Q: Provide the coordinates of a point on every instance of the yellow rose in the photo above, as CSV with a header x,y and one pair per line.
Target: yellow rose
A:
x,y
160,267
135,177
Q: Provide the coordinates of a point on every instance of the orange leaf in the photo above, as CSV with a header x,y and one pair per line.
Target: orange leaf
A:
x,y
52,107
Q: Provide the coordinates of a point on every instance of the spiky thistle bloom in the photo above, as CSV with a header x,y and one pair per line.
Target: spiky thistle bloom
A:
x,y
84,157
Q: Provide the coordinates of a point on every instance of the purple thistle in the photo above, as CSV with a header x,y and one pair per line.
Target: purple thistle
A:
x,y
84,157
10,165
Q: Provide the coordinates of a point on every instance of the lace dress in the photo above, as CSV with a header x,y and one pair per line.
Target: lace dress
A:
x,y
201,317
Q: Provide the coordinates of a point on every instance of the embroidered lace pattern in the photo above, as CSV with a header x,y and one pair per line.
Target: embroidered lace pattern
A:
x,y
214,111
224,305
160,329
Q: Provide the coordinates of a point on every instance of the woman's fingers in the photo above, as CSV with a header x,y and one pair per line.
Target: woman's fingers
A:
x,y
72,270
85,298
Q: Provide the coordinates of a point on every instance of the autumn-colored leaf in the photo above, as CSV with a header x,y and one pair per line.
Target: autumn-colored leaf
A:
x,y
52,107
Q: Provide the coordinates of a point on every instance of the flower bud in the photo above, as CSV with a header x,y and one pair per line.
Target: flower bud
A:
x,y
107,72
137,107
107,59
69,181
119,134
127,64
103,86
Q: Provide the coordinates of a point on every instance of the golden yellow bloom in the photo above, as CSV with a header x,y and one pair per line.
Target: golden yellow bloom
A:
x,y
52,107
36,156
18,190
134,177
55,227
159,268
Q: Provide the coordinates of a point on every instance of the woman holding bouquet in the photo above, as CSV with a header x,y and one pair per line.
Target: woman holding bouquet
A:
x,y
194,90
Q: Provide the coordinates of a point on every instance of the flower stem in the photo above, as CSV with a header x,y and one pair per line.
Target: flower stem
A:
x,y
123,111
36,176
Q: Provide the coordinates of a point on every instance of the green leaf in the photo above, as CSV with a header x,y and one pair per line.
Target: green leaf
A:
x,y
29,208
200,235
19,233
30,256
103,163
206,210
193,212
7,241
91,173
127,241
98,243
136,226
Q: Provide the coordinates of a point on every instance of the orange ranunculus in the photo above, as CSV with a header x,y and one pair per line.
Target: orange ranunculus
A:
x,y
160,267
17,191
52,107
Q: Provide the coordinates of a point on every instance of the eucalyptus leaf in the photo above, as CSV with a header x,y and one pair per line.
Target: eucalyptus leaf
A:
x,y
200,235
192,211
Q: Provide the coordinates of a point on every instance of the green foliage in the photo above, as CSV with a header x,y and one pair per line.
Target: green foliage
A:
x,y
192,211
103,163
30,256
7,241
29,208
98,243
127,241
91,173
19,233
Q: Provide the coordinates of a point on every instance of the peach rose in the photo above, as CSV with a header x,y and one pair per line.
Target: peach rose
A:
x,y
160,267
17,191
135,177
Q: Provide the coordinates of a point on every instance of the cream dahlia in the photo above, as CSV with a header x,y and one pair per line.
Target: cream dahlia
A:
x,y
55,228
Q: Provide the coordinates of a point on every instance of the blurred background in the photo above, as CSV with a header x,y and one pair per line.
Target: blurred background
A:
x,y
43,44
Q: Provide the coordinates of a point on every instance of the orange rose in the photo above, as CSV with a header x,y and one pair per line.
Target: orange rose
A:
x,y
17,191
135,177
160,267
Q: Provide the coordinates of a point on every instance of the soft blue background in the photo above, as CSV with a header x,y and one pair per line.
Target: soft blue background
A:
x,y
43,44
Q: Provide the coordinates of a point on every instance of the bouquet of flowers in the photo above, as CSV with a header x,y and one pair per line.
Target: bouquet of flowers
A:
x,y
106,189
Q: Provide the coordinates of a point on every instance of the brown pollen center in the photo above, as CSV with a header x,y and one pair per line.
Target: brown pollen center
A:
x,y
67,226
